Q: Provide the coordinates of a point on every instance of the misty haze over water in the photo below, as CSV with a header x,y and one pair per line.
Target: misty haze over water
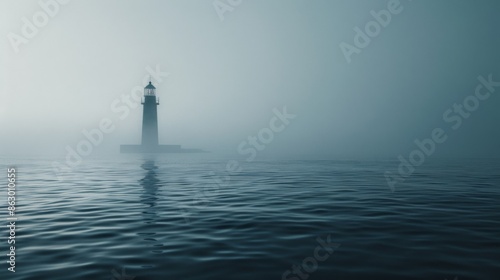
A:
x,y
340,139
219,81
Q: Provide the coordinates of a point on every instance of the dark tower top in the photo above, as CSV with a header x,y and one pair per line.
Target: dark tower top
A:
x,y
149,90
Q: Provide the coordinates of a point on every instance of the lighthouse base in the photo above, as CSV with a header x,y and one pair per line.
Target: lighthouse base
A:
x,y
128,149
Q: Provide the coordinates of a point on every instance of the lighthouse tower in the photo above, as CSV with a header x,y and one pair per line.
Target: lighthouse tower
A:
x,y
149,141
150,118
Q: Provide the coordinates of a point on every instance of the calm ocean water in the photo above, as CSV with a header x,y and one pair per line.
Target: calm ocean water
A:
x,y
184,217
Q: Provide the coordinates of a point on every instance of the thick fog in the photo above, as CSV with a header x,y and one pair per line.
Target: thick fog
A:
x,y
223,69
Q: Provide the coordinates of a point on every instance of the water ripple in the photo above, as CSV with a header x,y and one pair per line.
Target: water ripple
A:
x,y
166,219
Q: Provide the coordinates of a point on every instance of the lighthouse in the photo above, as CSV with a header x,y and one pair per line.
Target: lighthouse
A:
x,y
150,117
149,140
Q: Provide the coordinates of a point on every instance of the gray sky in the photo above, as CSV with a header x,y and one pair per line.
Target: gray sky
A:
x,y
226,76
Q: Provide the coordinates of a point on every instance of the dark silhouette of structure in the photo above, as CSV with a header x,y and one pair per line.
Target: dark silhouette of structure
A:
x,y
150,117
149,141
